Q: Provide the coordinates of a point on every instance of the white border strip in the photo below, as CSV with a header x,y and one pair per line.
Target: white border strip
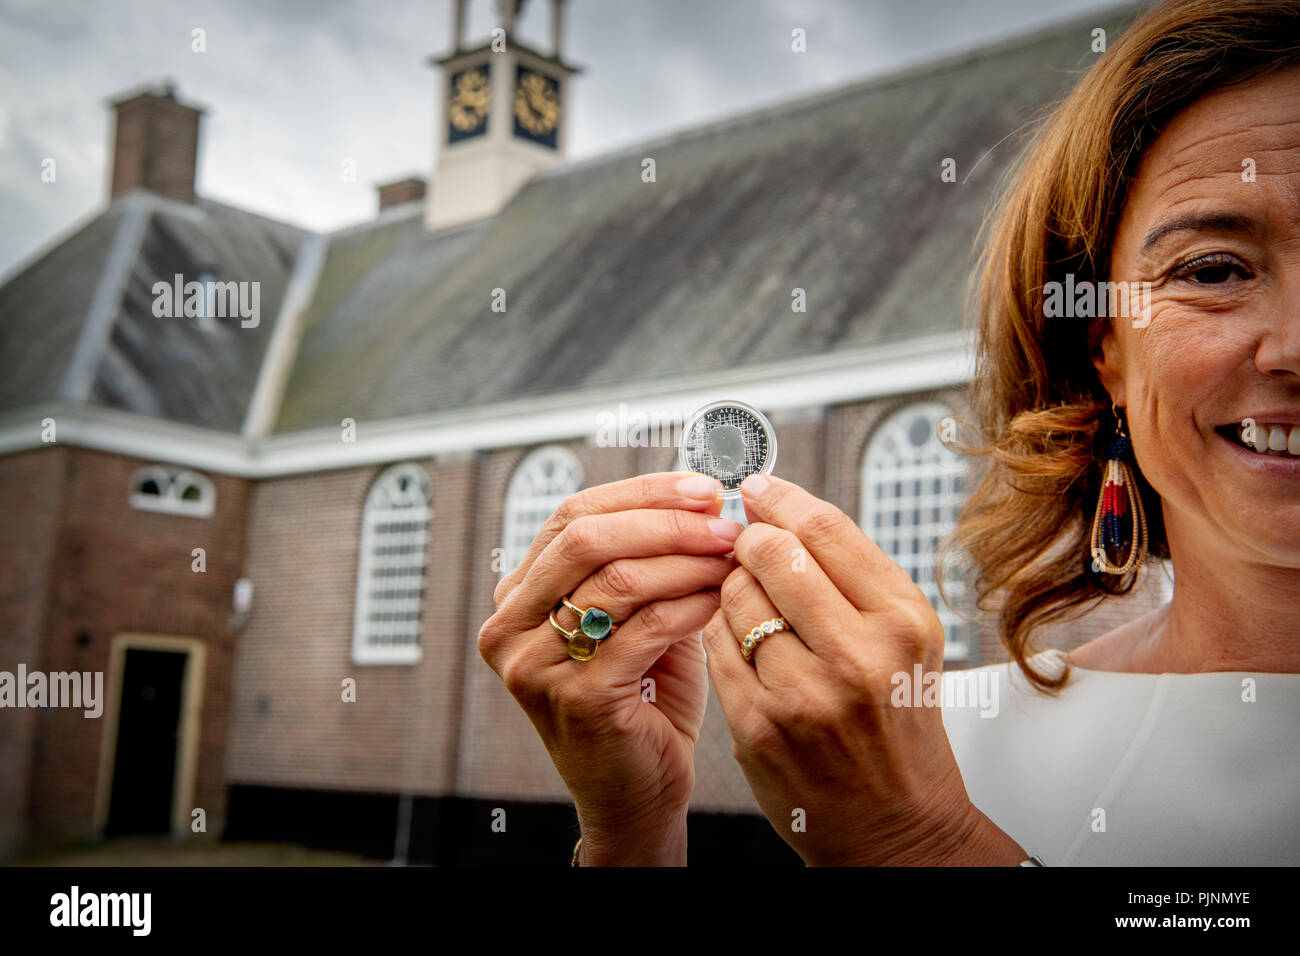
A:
x,y
107,299
264,406
838,378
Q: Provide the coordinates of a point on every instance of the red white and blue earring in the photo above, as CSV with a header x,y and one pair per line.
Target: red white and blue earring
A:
x,y
1119,527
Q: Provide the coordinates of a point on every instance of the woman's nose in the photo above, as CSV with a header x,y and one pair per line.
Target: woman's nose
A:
x,y
1278,355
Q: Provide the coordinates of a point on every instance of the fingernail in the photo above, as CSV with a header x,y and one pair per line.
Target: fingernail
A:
x,y
724,529
698,486
754,485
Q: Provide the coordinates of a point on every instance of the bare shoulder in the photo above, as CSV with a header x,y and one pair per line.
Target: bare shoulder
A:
x,y
1124,647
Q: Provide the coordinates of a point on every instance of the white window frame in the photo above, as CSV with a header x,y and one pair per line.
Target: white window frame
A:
x,y
415,507
890,456
515,528
173,483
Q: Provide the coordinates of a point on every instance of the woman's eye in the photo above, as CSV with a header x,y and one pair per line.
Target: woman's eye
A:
x,y
1211,269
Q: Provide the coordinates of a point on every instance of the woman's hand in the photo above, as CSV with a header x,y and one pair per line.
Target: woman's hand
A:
x,y
652,552
843,775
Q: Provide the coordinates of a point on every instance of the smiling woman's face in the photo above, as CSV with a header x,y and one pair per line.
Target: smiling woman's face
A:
x,y
1222,254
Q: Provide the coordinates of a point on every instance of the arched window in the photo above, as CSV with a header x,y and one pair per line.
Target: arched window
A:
x,y
173,490
912,491
390,577
540,482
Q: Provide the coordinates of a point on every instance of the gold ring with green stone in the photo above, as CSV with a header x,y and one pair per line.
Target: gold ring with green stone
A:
x,y
594,625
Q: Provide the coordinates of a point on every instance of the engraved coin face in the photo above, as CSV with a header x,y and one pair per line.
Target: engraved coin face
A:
x,y
728,441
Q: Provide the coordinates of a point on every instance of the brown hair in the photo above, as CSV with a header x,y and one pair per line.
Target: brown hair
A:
x,y
1042,411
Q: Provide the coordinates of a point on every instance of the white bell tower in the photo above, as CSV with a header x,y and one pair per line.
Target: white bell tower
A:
x,y
505,116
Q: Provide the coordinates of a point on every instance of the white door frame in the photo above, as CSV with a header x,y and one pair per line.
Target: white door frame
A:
x,y
187,736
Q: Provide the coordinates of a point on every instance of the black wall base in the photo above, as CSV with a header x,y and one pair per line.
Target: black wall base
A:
x,y
457,831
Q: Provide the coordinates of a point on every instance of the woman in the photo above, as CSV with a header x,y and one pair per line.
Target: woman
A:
x,y
1174,165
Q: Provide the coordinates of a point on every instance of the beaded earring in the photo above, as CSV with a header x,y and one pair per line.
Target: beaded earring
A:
x,y
1120,521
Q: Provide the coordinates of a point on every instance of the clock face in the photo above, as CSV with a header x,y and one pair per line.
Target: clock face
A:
x,y
467,106
536,107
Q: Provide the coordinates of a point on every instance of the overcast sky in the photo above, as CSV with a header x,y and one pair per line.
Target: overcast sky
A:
x,y
293,87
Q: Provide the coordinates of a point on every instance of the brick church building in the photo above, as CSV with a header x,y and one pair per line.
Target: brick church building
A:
x,y
274,519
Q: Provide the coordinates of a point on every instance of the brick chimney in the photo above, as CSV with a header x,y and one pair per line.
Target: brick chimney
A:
x,y
399,191
156,143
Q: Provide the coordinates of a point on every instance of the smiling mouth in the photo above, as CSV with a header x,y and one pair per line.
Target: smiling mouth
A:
x,y
1278,441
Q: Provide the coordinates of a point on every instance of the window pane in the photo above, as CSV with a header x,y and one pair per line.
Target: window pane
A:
x,y
539,484
394,541
912,488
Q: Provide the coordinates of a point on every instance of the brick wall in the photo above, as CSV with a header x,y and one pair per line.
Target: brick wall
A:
x,y
84,566
290,725
113,569
403,190
31,500
446,724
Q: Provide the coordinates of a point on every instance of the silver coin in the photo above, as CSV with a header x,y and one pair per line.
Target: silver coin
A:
x,y
728,441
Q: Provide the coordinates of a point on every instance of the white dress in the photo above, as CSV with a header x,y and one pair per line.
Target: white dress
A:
x,y
1134,769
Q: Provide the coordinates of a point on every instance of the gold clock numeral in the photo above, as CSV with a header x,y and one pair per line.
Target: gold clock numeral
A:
x,y
537,104
471,96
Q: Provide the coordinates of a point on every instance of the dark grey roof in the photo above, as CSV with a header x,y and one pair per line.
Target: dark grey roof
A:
x,y
610,280
43,308
78,324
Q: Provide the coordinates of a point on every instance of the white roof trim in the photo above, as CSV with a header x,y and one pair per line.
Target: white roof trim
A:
x,y
107,299
264,406
841,377
139,436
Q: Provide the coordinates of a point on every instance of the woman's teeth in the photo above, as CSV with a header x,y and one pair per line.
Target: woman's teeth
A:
x,y
1272,439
